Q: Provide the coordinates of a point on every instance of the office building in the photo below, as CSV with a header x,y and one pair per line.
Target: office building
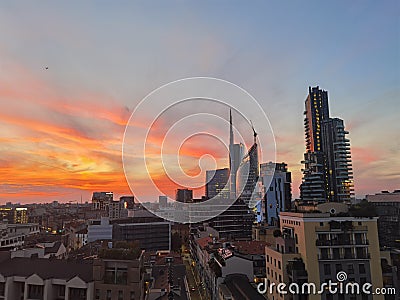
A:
x,y
236,221
236,153
327,173
184,195
217,183
247,177
278,191
14,215
127,202
100,230
100,200
151,235
162,201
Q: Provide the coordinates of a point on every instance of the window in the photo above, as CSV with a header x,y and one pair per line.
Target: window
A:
x,y
2,288
363,280
327,269
361,268
350,269
108,295
77,294
321,223
35,291
61,290
120,295
280,278
97,294
114,275
279,264
132,295
338,268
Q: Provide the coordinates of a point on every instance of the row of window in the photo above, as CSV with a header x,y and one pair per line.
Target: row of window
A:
x,y
350,269
120,295
291,222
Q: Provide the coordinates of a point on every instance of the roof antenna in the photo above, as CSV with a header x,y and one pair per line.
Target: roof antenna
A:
x,y
254,132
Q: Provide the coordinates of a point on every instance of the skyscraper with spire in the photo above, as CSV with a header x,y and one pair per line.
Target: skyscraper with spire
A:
x,y
236,221
236,153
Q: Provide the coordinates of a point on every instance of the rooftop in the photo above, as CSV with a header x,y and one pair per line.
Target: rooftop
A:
x,y
250,247
47,268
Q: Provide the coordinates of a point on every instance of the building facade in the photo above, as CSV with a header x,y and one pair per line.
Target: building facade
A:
x,y
184,195
315,247
278,191
387,207
40,278
151,236
119,279
217,183
327,173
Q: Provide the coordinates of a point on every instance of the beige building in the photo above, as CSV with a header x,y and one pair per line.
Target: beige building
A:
x,y
314,247
119,279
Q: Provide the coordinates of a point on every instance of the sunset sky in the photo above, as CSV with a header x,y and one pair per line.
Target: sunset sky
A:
x,y
61,128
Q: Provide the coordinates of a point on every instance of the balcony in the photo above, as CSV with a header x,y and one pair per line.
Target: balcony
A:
x,y
343,257
330,243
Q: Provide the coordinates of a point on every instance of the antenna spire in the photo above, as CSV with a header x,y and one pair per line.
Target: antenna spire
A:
x,y
254,132
231,138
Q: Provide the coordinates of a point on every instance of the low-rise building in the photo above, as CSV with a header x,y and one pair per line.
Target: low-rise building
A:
x,y
25,278
387,207
119,274
13,235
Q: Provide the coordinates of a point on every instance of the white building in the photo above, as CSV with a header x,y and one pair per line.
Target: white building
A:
x,y
13,235
99,230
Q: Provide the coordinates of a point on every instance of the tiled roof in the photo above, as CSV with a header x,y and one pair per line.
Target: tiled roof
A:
x,y
250,247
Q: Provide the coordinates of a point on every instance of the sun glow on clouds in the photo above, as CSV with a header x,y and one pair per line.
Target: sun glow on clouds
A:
x,y
58,148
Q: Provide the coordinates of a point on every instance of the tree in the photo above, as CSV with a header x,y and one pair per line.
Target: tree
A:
x,y
277,233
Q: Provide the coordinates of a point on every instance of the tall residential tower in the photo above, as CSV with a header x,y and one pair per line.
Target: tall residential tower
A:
x,y
327,173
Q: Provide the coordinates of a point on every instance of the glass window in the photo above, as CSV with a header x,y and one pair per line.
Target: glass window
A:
x,y
361,268
327,269
338,268
2,288
350,269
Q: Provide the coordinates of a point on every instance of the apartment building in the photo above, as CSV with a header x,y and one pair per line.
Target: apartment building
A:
x,y
314,247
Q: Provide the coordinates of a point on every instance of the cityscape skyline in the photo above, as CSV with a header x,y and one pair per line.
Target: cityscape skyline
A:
x,y
64,110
